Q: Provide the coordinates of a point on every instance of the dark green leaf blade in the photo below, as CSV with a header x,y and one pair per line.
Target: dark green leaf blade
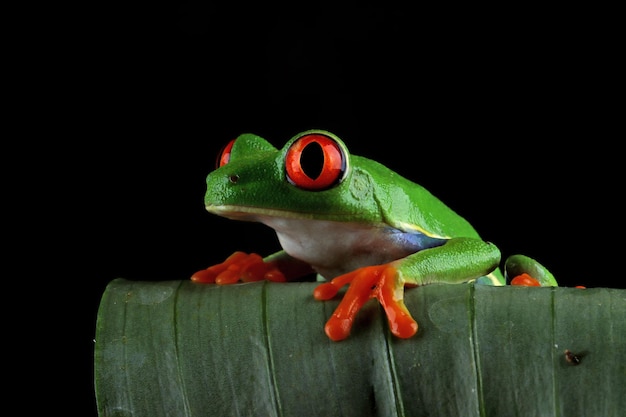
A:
x,y
312,373
436,368
514,344
184,349
135,356
590,324
221,344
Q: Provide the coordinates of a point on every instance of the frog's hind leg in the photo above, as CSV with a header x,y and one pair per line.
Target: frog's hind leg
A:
x,y
525,271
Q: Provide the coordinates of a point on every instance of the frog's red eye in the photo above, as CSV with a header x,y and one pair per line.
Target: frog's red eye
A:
x,y
224,156
315,162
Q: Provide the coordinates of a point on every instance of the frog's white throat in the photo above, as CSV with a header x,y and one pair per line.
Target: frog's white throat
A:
x,y
332,248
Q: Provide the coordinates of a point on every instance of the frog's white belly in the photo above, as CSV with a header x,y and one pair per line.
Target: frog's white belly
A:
x,y
334,248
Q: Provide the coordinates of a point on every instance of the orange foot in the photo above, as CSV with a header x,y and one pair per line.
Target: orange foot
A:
x,y
528,281
379,282
525,280
239,266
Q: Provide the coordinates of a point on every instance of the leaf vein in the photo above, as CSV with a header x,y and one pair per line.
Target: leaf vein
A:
x,y
270,360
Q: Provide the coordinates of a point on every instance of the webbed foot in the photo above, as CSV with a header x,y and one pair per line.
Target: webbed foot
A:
x,y
239,266
381,282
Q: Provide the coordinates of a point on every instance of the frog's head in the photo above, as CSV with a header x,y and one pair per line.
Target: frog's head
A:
x,y
312,177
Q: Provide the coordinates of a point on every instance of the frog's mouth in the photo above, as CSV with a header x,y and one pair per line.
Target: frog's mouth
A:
x,y
248,213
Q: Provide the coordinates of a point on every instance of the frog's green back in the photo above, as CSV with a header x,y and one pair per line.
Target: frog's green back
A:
x,y
408,206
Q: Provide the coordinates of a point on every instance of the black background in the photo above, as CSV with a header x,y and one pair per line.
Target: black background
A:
x,y
506,118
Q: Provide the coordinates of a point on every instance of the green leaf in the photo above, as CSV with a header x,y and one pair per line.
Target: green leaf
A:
x,y
176,348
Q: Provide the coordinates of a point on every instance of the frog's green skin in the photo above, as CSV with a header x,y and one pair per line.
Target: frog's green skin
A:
x,y
368,216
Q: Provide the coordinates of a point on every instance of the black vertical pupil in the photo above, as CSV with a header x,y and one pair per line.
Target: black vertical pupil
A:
x,y
312,160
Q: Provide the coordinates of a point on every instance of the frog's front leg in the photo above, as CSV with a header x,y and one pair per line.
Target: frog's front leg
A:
x,y
458,260
380,281
249,267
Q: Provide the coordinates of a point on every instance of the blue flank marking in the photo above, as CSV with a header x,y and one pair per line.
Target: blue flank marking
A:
x,y
418,241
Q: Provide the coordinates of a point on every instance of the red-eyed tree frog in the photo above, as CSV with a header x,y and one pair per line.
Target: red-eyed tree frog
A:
x,y
351,221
